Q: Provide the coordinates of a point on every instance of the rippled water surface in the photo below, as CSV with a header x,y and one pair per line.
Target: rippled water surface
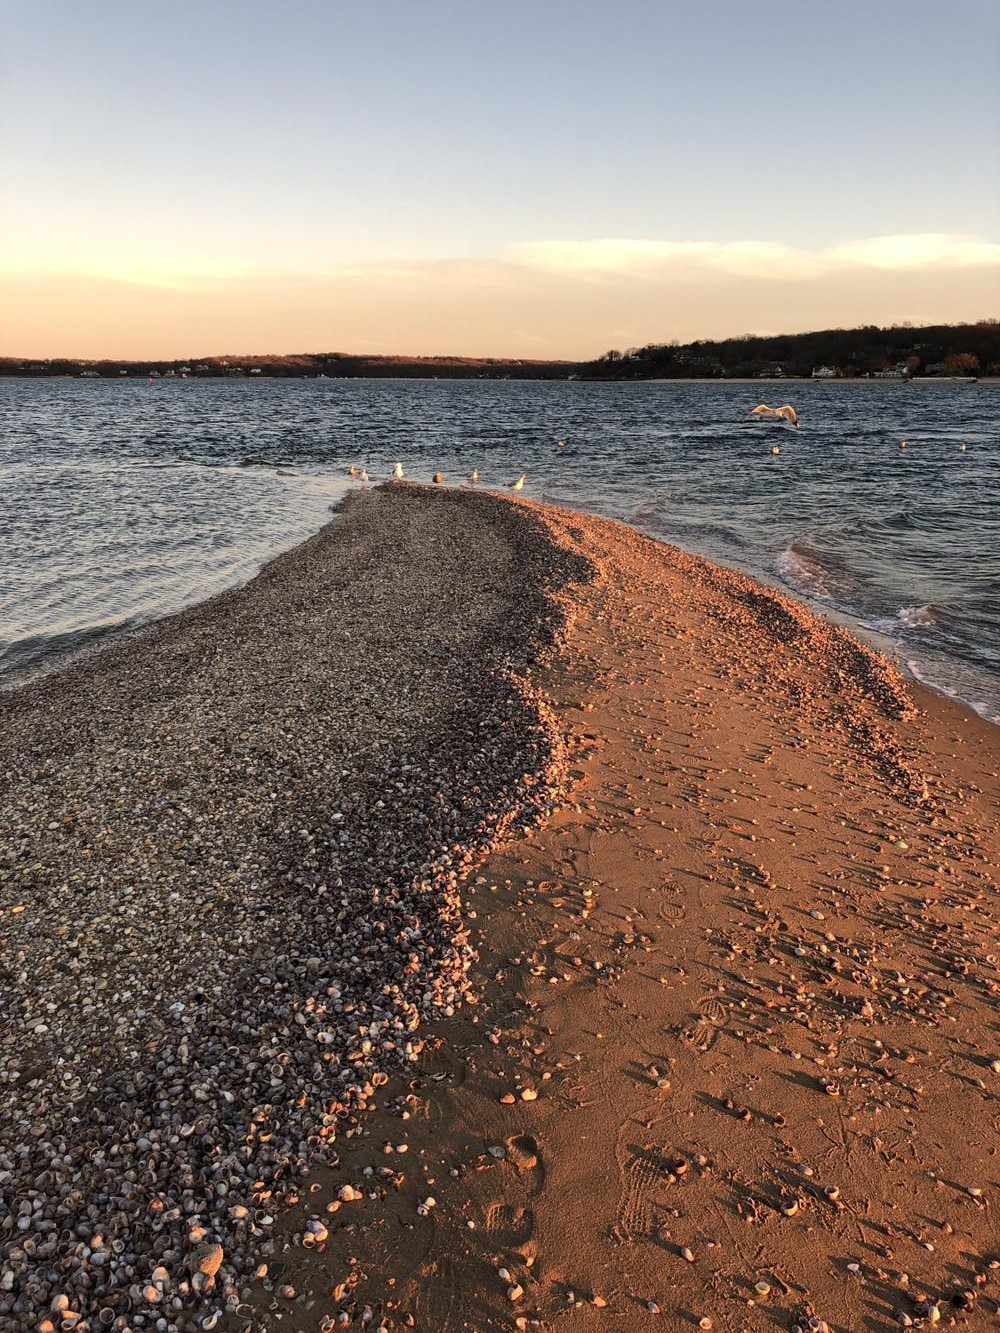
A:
x,y
125,500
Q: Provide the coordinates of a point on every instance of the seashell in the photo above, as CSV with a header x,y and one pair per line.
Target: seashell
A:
x,y
207,1259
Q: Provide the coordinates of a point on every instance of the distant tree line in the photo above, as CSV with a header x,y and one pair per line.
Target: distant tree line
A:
x,y
902,349
307,365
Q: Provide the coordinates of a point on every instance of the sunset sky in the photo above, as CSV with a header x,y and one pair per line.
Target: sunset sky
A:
x,y
521,178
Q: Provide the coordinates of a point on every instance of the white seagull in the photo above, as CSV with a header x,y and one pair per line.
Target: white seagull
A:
x,y
397,472
519,484
785,413
474,476
364,477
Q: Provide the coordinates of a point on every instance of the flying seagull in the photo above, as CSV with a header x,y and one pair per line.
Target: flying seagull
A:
x,y
785,413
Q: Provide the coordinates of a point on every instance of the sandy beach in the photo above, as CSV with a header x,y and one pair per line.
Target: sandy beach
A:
x,y
492,918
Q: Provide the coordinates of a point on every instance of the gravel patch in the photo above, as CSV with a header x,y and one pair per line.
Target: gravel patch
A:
x,y
229,858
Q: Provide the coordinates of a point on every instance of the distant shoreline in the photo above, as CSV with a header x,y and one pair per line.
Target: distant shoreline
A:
x,y
137,375
900,352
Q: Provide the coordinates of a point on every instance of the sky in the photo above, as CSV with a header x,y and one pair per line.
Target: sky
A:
x,y
526,178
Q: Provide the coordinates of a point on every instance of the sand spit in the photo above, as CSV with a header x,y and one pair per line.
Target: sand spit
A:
x,y
735,1058
229,859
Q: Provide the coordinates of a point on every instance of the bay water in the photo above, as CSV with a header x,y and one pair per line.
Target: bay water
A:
x,y
125,500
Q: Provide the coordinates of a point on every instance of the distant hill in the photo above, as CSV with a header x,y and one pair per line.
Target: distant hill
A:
x,y
899,352
306,365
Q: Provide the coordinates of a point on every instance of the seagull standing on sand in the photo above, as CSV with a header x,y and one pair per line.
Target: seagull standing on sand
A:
x,y
364,477
397,472
438,479
519,484
352,471
474,476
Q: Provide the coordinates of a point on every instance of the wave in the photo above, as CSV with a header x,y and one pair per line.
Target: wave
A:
x,y
977,691
805,572
22,656
907,617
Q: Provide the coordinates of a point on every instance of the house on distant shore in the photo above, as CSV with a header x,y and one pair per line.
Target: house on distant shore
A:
x,y
827,373
772,373
898,372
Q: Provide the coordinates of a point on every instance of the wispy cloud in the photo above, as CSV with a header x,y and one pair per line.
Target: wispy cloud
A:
x,y
755,259
921,250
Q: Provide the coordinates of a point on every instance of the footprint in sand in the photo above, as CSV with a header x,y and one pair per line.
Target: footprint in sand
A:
x,y
436,1298
442,1065
713,1010
703,1033
524,1154
641,1174
509,1225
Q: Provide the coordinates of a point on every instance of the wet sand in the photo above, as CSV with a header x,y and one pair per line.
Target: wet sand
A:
x,y
734,1060
729,1030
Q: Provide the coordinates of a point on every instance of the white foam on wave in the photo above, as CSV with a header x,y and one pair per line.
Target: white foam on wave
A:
x,y
907,617
805,575
942,682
